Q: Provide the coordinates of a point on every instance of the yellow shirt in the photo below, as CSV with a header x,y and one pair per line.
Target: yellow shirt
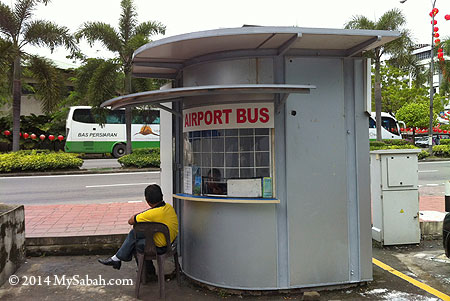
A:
x,y
164,214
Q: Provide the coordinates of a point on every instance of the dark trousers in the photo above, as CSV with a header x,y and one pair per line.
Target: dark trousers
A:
x,y
131,244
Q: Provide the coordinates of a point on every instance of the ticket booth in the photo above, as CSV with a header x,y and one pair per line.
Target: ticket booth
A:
x,y
268,152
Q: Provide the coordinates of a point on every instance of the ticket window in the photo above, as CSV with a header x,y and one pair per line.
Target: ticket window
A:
x,y
217,156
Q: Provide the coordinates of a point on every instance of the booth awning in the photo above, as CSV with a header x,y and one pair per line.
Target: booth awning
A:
x,y
166,57
158,96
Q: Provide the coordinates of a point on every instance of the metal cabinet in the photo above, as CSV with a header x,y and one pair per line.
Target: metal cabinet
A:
x,y
395,196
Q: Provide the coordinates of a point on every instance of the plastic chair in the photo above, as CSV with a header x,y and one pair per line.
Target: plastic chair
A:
x,y
149,230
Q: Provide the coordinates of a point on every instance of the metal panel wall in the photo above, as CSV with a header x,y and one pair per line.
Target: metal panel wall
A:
x,y
317,174
230,245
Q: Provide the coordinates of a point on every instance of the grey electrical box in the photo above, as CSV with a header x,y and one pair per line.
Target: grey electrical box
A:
x,y
395,196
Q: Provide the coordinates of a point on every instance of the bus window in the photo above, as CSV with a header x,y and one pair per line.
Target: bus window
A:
x,y
146,117
390,125
115,117
83,115
372,124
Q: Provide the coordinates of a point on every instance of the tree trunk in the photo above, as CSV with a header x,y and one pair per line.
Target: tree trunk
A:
x,y
17,95
128,112
378,98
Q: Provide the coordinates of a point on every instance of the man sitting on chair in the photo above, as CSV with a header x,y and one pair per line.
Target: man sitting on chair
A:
x,y
159,212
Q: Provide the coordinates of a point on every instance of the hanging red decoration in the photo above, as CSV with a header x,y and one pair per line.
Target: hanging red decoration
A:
x,y
440,55
436,35
435,11
60,137
447,17
25,135
51,137
431,14
20,134
33,136
42,137
7,133
436,29
445,131
435,130
437,41
434,22
440,50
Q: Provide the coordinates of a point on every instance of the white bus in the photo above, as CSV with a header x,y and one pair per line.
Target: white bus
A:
x,y
84,135
389,127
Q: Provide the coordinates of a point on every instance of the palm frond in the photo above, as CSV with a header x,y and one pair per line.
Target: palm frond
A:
x,y
150,28
50,83
8,24
134,43
101,32
360,22
391,20
103,84
127,21
84,75
23,10
45,33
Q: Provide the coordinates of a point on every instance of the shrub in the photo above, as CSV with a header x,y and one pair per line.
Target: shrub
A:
x,y
396,142
441,150
406,146
444,141
423,154
141,158
377,143
37,161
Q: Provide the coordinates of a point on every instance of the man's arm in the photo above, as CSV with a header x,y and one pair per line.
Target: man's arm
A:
x,y
132,220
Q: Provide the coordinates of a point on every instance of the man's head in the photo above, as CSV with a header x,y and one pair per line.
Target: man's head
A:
x,y
153,194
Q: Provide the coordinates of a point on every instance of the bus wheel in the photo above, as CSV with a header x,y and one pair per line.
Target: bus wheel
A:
x,y
119,150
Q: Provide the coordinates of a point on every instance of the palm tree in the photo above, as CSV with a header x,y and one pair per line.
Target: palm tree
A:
x,y
399,49
444,66
17,29
123,42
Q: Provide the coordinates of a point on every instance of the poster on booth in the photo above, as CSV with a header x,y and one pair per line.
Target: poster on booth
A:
x,y
229,116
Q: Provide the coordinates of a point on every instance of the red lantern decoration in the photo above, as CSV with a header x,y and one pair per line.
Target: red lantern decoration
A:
x,y
7,133
20,134
435,11
437,41
440,50
440,55
33,136
447,17
431,14
51,137
42,137
25,135
436,29
434,22
436,35
435,130
60,137
445,131
440,130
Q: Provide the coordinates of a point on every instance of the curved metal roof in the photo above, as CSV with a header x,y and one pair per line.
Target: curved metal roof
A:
x,y
166,57
158,96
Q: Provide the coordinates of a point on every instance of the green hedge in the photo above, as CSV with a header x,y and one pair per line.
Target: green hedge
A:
x,y
378,147
441,150
444,142
38,161
141,158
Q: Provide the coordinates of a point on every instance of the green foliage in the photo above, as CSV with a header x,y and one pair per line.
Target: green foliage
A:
x,y
37,161
423,154
387,143
141,158
396,142
441,150
377,143
444,141
406,146
415,114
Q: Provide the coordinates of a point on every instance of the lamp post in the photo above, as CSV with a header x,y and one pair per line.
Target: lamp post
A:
x,y
430,130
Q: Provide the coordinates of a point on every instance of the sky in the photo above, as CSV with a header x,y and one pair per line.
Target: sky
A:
x,y
196,15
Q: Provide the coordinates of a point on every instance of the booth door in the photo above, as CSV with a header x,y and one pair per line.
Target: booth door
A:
x,y
316,174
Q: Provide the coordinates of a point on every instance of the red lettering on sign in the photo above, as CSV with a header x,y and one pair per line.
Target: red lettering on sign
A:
x,y
194,119
217,117
227,115
264,115
200,117
254,118
208,117
240,116
186,120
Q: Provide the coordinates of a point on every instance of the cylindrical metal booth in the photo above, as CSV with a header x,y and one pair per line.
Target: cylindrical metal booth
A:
x,y
270,152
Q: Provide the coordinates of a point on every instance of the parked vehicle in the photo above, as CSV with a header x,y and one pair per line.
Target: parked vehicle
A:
x,y
85,135
390,128
446,234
